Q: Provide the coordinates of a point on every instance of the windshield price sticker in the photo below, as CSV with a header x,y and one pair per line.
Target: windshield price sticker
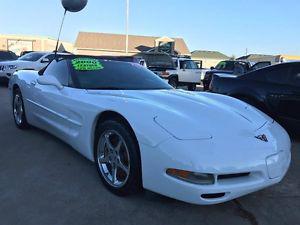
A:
x,y
87,64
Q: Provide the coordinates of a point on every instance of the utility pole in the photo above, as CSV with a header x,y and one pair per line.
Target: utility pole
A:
x,y
127,25
246,51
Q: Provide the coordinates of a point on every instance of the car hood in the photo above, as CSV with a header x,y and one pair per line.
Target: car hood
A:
x,y
193,116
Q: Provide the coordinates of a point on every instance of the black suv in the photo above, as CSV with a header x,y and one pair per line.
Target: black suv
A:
x,y
231,67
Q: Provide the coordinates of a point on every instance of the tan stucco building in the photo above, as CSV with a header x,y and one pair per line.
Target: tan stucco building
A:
x,y
19,43
88,43
209,58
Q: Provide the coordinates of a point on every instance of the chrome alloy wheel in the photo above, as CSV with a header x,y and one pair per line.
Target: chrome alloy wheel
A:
x,y
113,158
18,109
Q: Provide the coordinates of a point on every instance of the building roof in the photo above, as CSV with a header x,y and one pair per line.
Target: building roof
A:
x,y
116,42
254,57
209,54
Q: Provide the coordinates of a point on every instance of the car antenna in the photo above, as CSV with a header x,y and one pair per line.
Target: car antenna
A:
x,y
71,6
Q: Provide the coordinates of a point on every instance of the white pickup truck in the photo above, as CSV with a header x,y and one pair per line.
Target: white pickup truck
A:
x,y
186,73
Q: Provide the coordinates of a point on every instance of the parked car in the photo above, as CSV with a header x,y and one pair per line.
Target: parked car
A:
x,y
275,90
30,61
187,73
231,68
157,62
142,133
7,55
25,52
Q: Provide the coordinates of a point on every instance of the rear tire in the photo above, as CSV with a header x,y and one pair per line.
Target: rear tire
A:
x,y
117,158
173,81
19,110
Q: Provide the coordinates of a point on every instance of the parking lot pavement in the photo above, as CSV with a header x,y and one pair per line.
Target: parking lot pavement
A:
x,y
43,181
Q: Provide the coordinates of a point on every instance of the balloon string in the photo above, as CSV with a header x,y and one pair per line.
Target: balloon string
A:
x,y
60,29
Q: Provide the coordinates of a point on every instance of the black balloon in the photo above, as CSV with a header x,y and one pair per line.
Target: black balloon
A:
x,y
74,5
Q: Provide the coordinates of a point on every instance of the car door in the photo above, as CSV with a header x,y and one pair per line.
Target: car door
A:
x,y
189,72
280,94
52,105
290,105
183,72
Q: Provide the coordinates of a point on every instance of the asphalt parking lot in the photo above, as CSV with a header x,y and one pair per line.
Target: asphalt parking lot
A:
x,y
44,181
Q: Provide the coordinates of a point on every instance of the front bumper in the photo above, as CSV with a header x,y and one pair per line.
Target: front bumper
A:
x,y
6,74
200,156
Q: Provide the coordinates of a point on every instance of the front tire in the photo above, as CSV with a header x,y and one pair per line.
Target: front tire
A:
x,y
192,87
19,110
117,158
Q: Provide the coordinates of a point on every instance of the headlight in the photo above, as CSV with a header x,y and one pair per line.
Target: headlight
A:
x,y
192,177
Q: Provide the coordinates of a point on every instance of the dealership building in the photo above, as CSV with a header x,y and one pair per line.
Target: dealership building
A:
x,y
20,43
88,43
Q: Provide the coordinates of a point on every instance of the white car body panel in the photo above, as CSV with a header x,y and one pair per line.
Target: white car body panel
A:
x,y
170,133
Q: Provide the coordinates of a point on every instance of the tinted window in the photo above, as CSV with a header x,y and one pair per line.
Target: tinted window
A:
x,y
50,57
260,65
277,74
225,65
7,56
116,75
34,56
58,70
295,75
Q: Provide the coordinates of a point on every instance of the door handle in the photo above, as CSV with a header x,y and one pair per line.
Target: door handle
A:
x,y
33,82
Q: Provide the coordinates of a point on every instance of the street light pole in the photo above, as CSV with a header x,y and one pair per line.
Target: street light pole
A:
x,y
127,25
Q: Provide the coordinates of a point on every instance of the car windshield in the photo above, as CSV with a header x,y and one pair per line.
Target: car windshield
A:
x,y
4,55
225,65
93,73
159,60
34,56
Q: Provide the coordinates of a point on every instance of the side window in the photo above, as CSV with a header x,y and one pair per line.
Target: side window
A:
x,y
58,70
50,57
183,65
278,75
175,63
295,76
188,65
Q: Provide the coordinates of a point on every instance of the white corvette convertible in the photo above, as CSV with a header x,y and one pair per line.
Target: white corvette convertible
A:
x,y
142,133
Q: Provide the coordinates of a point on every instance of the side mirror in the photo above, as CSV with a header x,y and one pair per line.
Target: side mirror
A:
x,y
45,60
212,68
50,80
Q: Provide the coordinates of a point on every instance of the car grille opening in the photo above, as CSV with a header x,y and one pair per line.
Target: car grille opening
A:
x,y
231,176
212,196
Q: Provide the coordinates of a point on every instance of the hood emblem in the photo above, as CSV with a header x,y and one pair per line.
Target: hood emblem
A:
x,y
262,137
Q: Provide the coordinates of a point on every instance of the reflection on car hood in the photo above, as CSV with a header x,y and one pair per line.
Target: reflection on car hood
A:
x,y
192,115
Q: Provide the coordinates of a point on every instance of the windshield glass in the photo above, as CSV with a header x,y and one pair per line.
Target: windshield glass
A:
x,y
92,73
225,65
7,56
159,60
34,56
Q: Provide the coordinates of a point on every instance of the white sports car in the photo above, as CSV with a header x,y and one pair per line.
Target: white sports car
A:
x,y
142,133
